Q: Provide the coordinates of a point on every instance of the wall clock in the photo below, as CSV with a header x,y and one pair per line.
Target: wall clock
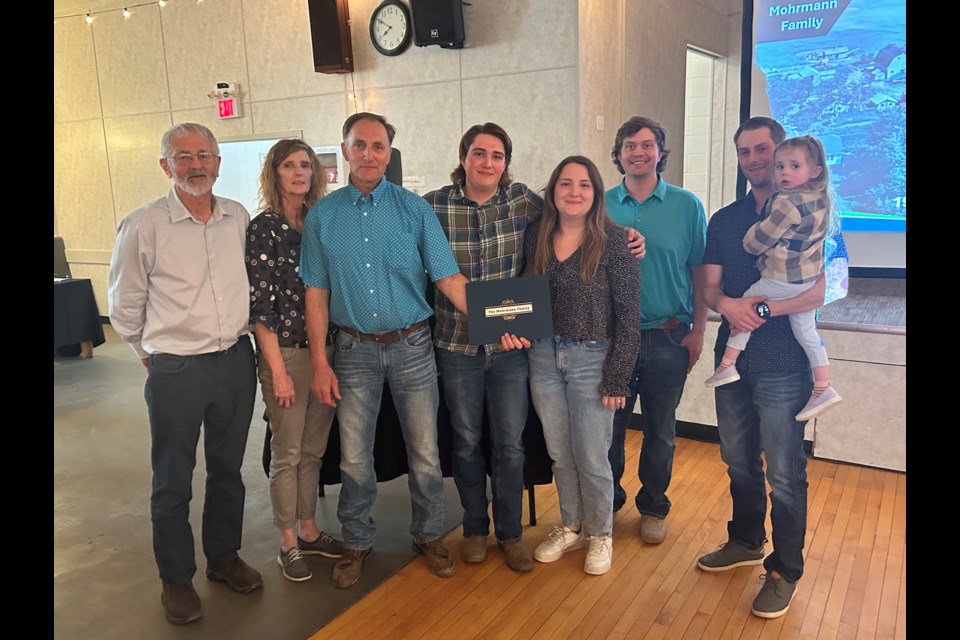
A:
x,y
391,28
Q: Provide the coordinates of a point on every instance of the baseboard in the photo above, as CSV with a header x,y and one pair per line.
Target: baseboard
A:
x,y
899,273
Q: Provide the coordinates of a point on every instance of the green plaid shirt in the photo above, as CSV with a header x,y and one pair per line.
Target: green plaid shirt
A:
x,y
487,241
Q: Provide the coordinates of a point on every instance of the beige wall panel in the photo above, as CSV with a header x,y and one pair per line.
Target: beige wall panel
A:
x,y
133,146
207,116
870,425
697,403
319,117
279,52
82,201
538,110
865,347
416,65
428,131
600,81
504,37
75,92
657,33
204,45
130,62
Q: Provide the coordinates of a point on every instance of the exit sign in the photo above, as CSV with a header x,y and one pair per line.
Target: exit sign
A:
x,y
228,108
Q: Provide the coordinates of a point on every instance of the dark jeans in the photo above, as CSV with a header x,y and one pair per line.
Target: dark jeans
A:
x,y
755,414
183,392
657,381
499,382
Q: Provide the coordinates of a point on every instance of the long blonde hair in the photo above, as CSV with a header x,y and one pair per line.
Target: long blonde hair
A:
x,y
818,158
594,241
270,197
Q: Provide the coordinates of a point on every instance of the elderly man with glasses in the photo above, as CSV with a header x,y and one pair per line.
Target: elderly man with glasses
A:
x,y
179,295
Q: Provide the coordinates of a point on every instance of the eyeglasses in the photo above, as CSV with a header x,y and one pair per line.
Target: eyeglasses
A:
x,y
185,159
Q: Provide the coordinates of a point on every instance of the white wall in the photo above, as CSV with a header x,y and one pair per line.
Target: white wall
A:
x,y
543,69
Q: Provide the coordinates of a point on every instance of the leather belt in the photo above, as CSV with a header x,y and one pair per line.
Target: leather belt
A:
x,y
671,323
242,339
386,337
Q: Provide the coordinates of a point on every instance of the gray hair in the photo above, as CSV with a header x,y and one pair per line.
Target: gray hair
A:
x,y
183,129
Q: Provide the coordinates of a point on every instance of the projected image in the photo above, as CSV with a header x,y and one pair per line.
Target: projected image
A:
x,y
837,70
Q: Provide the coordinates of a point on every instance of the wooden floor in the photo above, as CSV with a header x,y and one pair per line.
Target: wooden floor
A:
x,y
854,584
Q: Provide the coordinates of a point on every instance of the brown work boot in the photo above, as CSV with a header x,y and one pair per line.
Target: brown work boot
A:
x,y
439,560
180,603
347,570
238,575
473,549
516,555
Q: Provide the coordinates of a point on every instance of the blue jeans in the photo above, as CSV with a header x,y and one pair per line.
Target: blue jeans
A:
x,y
409,367
501,379
564,377
754,414
657,380
183,392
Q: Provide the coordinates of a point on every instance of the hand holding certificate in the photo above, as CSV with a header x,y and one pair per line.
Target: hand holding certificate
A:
x,y
518,306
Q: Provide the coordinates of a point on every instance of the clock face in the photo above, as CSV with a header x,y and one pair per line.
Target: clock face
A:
x,y
390,28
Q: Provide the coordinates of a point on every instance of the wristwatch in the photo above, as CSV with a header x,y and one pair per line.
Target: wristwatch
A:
x,y
762,309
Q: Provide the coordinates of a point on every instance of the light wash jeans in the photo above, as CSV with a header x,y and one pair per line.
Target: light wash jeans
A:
x,y
410,368
500,379
564,377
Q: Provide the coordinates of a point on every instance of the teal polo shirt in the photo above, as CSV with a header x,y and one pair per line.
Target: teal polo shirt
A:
x,y
675,226
374,253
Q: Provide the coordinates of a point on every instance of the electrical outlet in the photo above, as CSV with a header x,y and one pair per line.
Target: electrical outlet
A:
x,y
599,123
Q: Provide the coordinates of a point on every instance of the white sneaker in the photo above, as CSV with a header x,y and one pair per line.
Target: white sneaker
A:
x,y
557,543
599,555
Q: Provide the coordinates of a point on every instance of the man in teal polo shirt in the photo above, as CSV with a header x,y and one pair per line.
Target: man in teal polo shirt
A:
x,y
672,312
367,251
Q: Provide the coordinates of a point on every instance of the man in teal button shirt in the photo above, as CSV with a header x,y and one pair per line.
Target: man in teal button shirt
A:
x,y
367,251
673,314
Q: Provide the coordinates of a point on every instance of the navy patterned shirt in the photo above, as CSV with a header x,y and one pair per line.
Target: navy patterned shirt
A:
x,y
772,347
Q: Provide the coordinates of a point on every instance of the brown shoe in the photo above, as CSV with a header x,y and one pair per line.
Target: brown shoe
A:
x,y
516,555
473,549
347,570
238,575
180,603
438,557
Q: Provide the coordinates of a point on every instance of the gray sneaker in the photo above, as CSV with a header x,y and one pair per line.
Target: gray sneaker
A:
x,y
774,597
723,375
817,405
293,565
653,530
326,546
730,555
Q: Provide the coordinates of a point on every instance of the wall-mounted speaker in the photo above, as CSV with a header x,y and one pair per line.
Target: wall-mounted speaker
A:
x,y
330,35
438,22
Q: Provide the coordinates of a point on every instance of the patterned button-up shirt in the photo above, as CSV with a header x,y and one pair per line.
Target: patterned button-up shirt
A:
x,y
487,241
788,238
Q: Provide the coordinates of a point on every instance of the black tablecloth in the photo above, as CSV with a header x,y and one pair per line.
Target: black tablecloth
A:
x,y
76,318
390,454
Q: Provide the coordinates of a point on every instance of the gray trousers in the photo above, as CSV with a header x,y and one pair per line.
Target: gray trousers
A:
x,y
298,439
804,325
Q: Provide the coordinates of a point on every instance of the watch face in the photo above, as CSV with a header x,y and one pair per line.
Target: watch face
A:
x,y
390,28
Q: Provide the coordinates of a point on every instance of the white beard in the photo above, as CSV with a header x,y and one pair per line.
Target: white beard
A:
x,y
193,188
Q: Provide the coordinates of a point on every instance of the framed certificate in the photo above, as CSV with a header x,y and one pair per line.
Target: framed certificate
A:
x,y
520,306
